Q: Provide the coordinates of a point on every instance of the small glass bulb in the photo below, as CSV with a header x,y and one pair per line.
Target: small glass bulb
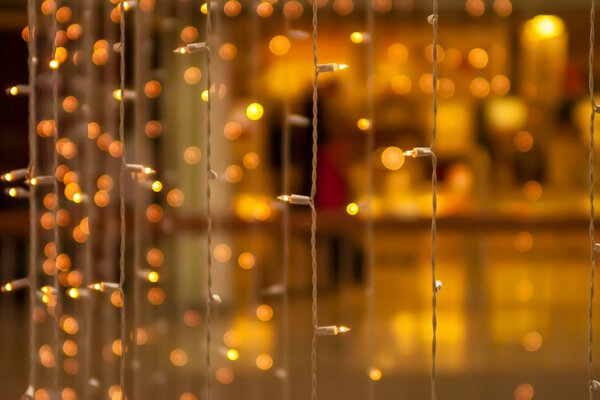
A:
x,y
359,37
153,277
157,186
54,64
118,95
352,209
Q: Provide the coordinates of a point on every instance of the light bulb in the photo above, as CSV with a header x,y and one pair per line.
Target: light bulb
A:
x,y
157,186
14,285
295,199
149,275
215,298
140,169
332,67
438,286
418,152
104,286
352,209
191,48
363,124
73,293
54,64
331,330
17,90
232,354
254,111
127,5
40,180
359,37
15,174
17,192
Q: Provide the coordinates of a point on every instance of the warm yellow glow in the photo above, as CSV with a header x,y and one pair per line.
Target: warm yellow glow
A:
x,y
375,374
232,8
175,198
117,94
545,26
401,84
222,252
343,329
251,160
153,277
73,293
204,95
53,64
157,186
524,391
232,130
232,338
14,90
357,37
156,296
8,287
264,362
12,192
397,52
234,173
478,58
224,375
264,312
204,8
232,354
77,198
254,111
264,9
246,260
480,87
363,124
352,208
178,357
524,290
392,158
155,257
279,45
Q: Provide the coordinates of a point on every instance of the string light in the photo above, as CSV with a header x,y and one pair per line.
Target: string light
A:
x,y
104,286
359,37
15,175
332,67
298,120
191,48
40,180
15,285
17,90
295,199
17,192
331,330
140,169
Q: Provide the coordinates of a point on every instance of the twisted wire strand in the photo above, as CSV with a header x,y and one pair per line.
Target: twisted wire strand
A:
x,y
370,230
123,226
55,230
434,321
33,211
285,231
208,200
591,187
313,211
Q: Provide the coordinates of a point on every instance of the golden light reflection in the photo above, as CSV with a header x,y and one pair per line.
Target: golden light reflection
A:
x,y
543,27
254,111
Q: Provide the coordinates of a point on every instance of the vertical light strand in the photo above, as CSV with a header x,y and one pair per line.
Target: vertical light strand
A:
x,y
123,226
285,232
33,209
208,200
370,267
434,22
55,65
313,210
90,170
592,210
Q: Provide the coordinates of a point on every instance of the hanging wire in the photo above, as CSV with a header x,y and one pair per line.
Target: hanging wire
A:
x,y
208,201
370,267
313,211
55,229
33,209
591,187
434,21
123,230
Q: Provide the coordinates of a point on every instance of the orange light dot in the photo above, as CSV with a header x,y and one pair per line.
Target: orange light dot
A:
x,y
228,52
478,58
524,391
397,52
246,260
222,252
63,262
261,211
192,155
155,257
152,89
74,31
116,299
46,356
192,75
279,45
101,198
69,325
156,296
523,141
375,374
117,347
105,182
392,158
50,201
154,213
251,160
68,394
175,198
189,34
47,221
343,7
480,87
232,130
70,348
232,338
188,396
264,9
100,56
224,375
63,15
532,191
264,362
178,357
47,7
264,312
232,8
475,8
234,173
293,9
75,278
500,85
153,129
363,124
25,34
192,318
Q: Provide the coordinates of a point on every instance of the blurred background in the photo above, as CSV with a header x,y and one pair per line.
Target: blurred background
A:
x,y
512,248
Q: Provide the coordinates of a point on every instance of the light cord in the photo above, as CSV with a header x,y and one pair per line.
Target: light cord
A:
x,y
591,187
